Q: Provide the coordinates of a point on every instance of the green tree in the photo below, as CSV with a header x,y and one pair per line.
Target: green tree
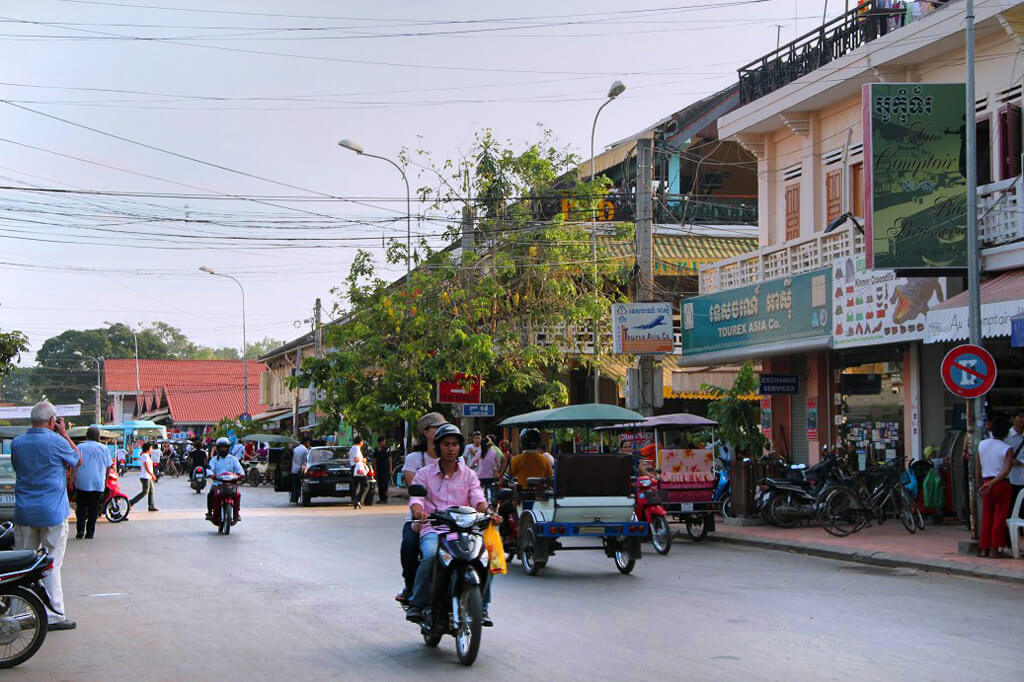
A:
x,y
471,313
738,417
11,346
208,353
259,348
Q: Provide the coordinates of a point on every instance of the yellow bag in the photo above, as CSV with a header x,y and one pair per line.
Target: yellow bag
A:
x,y
495,549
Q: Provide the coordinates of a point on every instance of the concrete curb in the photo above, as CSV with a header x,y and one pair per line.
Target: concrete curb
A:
x,y
886,559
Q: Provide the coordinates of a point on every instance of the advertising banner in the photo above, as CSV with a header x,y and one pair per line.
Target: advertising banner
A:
x,y
915,175
876,306
766,417
642,328
25,411
786,309
812,418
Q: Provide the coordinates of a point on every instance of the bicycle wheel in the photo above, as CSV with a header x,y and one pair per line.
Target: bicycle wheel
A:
x,y
903,509
841,512
918,517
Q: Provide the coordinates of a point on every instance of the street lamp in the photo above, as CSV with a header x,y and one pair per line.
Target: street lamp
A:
x,y
616,89
97,359
358,149
245,363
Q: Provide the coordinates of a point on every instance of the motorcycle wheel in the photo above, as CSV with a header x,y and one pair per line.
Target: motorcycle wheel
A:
x,y
252,477
527,546
661,535
623,561
727,512
22,625
696,528
227,513
467,637
116,509
781,520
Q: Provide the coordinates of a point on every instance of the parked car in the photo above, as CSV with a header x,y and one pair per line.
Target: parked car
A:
x,y
6,488
328,474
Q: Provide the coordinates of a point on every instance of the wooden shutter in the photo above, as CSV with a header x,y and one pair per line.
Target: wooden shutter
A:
x,y
792,212
857,189
1009,141
833,195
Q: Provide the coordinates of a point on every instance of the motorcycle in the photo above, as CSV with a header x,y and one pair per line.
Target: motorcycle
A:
x,y
198,479
6,535
115,503
460,577
23,604
785,502
226,501
723,487
648,508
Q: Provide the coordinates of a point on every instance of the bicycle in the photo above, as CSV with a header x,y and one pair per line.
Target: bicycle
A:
x,y
866,496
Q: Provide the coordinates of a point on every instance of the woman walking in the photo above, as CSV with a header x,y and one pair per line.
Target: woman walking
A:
x,y
996,458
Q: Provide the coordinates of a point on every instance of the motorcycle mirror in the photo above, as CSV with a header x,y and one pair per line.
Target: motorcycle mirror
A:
x,y
417,491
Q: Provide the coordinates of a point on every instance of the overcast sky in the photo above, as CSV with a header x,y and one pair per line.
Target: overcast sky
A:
x,y
256,94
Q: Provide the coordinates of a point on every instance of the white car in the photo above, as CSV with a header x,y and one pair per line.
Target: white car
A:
x,y
7,478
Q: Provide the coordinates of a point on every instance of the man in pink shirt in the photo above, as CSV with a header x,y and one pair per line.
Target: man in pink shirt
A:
x,y
449,482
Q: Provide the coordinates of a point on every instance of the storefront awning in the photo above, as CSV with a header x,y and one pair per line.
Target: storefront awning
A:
x,y
745,353
288,415
676,255
271,414
1001,299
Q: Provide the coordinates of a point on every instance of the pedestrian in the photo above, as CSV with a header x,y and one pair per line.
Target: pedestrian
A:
x,y
474,449
299,454
1015,439
487,465
155,455
996,459
357,460
382,465
421,455
90,480
147,477
41,457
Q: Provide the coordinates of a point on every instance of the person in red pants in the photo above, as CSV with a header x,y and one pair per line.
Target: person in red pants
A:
x,y
996,459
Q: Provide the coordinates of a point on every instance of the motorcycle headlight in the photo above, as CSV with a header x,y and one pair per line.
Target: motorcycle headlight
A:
x,y
463,520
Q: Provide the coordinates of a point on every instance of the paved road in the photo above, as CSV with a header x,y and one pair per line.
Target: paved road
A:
x,y
307,594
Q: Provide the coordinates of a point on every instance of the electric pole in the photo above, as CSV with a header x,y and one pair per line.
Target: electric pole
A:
x,y
645,260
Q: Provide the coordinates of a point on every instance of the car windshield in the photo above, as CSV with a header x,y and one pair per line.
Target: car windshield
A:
x,y
6,468
319,456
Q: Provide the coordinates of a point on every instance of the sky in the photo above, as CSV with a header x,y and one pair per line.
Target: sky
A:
x,y
142,139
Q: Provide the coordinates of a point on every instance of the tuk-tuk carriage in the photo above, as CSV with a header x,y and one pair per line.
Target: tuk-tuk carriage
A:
x,y
590,497
268,470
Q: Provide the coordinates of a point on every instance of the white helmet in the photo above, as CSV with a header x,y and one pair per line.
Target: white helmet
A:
x,y
223,441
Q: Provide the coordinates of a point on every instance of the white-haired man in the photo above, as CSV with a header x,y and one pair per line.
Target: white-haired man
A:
x,y
40,458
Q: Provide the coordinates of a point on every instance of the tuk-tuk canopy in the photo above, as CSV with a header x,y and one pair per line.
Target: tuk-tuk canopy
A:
x,y
589,414
81,431
268,438
680,419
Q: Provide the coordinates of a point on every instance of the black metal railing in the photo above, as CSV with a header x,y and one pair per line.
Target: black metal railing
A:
x,y
828,42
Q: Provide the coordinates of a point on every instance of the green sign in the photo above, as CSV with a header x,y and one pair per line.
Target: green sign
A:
x,y
916,175
779,310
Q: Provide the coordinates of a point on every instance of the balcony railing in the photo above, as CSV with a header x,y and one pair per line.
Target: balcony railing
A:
x,y
828,42
1000,222
710,209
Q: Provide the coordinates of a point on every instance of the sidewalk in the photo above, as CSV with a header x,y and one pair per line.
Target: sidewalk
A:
x,y
933,549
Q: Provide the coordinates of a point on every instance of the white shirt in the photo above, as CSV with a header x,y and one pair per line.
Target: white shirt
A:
x,y
143,458
470,453
992,454
299,458
414,461
1017,472
358,462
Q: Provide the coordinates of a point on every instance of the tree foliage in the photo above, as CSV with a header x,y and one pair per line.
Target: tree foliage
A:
x,y
470,312
738,417
11,346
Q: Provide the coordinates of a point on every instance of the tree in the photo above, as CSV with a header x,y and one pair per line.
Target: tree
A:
x,y
11,346
260,348
738,418
471,313
177,344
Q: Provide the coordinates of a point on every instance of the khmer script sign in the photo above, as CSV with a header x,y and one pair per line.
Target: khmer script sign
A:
x,y
915,175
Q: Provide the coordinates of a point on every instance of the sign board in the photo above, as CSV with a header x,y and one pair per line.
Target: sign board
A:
x,y
916,172
477,410
766,417
951,324
779,384
876,306
775,311
460,390
642,328
1017,331
25,411
245,417
969,371
812,418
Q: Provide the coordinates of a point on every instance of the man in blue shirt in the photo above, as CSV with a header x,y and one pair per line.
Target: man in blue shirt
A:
x,y
40,457
221,462
90,481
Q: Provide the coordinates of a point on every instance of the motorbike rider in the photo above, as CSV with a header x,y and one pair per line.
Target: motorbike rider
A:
x,y
197,456
222,461
449,482
421,455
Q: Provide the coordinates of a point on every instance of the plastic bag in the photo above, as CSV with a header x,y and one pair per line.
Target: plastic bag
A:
x,y
495,549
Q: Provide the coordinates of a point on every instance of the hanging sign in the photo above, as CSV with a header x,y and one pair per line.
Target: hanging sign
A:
x,y
969,371
463,389
642,328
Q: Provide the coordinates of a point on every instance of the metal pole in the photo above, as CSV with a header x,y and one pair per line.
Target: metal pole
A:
x,y
408,216
245,362
973,251
645,255
99,417
593,248
138,384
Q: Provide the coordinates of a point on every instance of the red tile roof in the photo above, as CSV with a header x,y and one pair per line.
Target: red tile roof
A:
x,y
206,405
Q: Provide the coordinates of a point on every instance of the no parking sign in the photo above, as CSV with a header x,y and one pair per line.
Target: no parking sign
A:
x,y
969,371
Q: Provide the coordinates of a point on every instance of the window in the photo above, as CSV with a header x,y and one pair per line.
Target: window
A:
x,y
833,195
1009,141
792,212
857,189
983,154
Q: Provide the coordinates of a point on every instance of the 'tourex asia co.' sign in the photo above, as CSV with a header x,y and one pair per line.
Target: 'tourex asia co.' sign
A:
x,y
785,309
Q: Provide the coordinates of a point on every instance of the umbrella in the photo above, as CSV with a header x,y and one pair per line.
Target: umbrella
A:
x,y
268,438
571,415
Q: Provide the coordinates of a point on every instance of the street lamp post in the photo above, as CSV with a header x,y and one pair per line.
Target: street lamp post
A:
x,y
358,149
98,386
245,363
616,89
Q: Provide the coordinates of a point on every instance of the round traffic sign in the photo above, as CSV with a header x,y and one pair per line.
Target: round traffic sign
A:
x,y
969,371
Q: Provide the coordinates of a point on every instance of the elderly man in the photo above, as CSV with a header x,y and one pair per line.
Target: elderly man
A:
x,y
40,458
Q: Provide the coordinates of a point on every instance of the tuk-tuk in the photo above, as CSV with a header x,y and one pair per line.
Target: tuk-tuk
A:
x,y
278,447
591,496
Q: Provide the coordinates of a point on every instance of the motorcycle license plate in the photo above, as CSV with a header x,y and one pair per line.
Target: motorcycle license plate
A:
x,y
7,498
338,487
686,507
591,530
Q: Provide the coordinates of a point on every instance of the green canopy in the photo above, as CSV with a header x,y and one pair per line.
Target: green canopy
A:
x,y
80,431
268,438
590,414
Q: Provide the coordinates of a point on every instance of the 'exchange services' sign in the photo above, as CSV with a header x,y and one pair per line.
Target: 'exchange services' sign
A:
x,y
779,310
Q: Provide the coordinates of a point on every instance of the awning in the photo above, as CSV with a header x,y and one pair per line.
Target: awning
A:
x,y
680,255
288,415
1001,299
744,353
270,414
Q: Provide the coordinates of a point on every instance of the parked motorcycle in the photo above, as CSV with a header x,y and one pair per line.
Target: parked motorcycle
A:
x,y
723,487
23,603
648,508
198,479
785,502
226,501
461,572
6,535
115,503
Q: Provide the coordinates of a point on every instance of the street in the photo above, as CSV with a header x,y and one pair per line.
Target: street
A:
x,y
308,593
